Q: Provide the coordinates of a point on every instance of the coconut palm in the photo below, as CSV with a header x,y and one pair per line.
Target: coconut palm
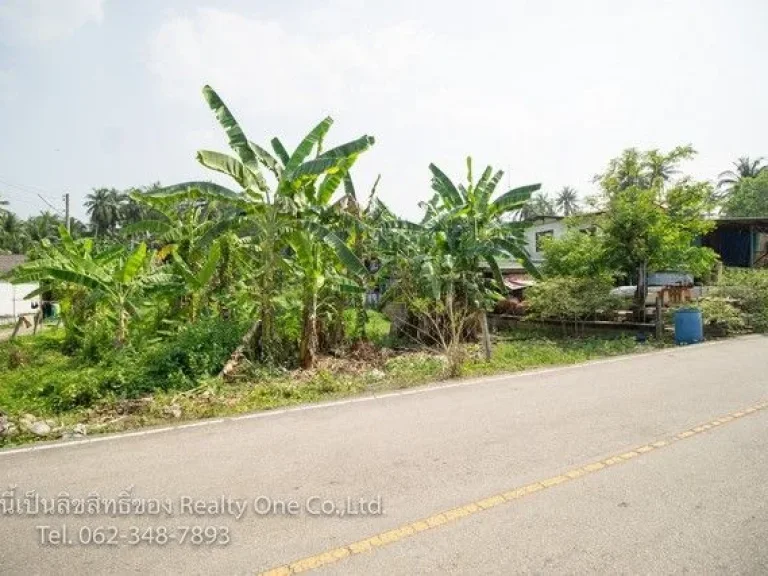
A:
x,y
104,206
567,201
13,234
44,226
537,206
744,167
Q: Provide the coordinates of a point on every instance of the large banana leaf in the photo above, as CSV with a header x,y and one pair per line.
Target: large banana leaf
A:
x,y
332,158
518,252
226,165
304,149
184,270
280,150
196,190
347,258
74,277
209,268
237,140
486,189
494,266
353,147
157,227
109,255
514,199
266,158
444,187
66,240
333,179
133,264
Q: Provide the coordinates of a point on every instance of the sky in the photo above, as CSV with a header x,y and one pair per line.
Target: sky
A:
x,y
107,93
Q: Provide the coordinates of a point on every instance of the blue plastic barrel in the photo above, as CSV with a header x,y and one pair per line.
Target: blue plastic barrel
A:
x,y
689,327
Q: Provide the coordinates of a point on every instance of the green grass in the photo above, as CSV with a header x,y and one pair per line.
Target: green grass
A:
x,y
36,377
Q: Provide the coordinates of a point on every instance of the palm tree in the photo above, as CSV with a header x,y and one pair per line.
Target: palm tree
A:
x,y
43,226
538,206
745,167
13,234
567,201
104,206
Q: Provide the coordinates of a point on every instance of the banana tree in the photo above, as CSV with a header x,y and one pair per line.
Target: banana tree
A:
x,y
474,227
279,217
115,280
191,234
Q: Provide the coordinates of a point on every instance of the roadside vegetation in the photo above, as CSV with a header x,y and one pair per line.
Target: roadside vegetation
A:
x,y
174,382
296,284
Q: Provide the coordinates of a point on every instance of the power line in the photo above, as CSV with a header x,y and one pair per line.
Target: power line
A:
x,y
49,204
27,187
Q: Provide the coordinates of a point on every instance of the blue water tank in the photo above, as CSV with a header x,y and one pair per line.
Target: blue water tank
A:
x,y
689,327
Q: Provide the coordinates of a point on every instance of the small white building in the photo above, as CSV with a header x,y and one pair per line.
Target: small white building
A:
x,y
12,302
541,229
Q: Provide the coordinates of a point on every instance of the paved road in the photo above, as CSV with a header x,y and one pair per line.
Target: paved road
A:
x,y
684,497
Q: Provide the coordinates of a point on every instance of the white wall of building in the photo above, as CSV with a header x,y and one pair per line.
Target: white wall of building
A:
x,y
546,226
12,303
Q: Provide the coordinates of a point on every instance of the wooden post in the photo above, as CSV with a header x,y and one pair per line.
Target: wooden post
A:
x,y
19,322
38,322
659,316
486,335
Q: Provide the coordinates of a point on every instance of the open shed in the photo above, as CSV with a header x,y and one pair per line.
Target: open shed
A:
x,y
740,242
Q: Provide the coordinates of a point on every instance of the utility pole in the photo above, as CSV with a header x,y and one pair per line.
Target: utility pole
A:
x,y
66,211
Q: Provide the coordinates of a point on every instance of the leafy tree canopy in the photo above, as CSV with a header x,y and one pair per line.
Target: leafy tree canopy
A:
x,y
749,197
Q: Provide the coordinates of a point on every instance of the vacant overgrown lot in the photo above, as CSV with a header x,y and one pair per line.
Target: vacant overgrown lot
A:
x,y
175,380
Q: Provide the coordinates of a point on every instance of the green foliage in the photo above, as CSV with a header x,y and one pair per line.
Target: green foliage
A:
x,y
49,381
748,197
744,169
747,290
721,316
198,350
578,253
570,299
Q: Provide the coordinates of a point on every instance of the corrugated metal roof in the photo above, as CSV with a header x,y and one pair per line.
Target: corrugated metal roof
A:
x,y
9,261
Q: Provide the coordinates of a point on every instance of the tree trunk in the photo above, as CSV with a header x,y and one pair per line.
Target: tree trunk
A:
x,y
486,335
641,293
240,351
308,348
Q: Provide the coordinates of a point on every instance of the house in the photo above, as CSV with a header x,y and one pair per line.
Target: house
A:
x,y
540,229
740,242
12,302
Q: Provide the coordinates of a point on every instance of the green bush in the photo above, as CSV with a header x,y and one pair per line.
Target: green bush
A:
x,y
747,290
198,350
721,317
571,299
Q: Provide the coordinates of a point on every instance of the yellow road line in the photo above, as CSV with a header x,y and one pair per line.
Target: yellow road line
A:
x,y
449,516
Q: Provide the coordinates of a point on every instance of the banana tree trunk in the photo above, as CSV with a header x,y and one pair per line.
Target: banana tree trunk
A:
x,y
122,327
308,348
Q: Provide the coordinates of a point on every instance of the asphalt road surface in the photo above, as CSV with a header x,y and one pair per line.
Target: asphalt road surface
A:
x,y
647,464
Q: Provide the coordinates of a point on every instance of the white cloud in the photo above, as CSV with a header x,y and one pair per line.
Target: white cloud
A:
x,y
283,70
8,91
546,90
399,82
41,21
